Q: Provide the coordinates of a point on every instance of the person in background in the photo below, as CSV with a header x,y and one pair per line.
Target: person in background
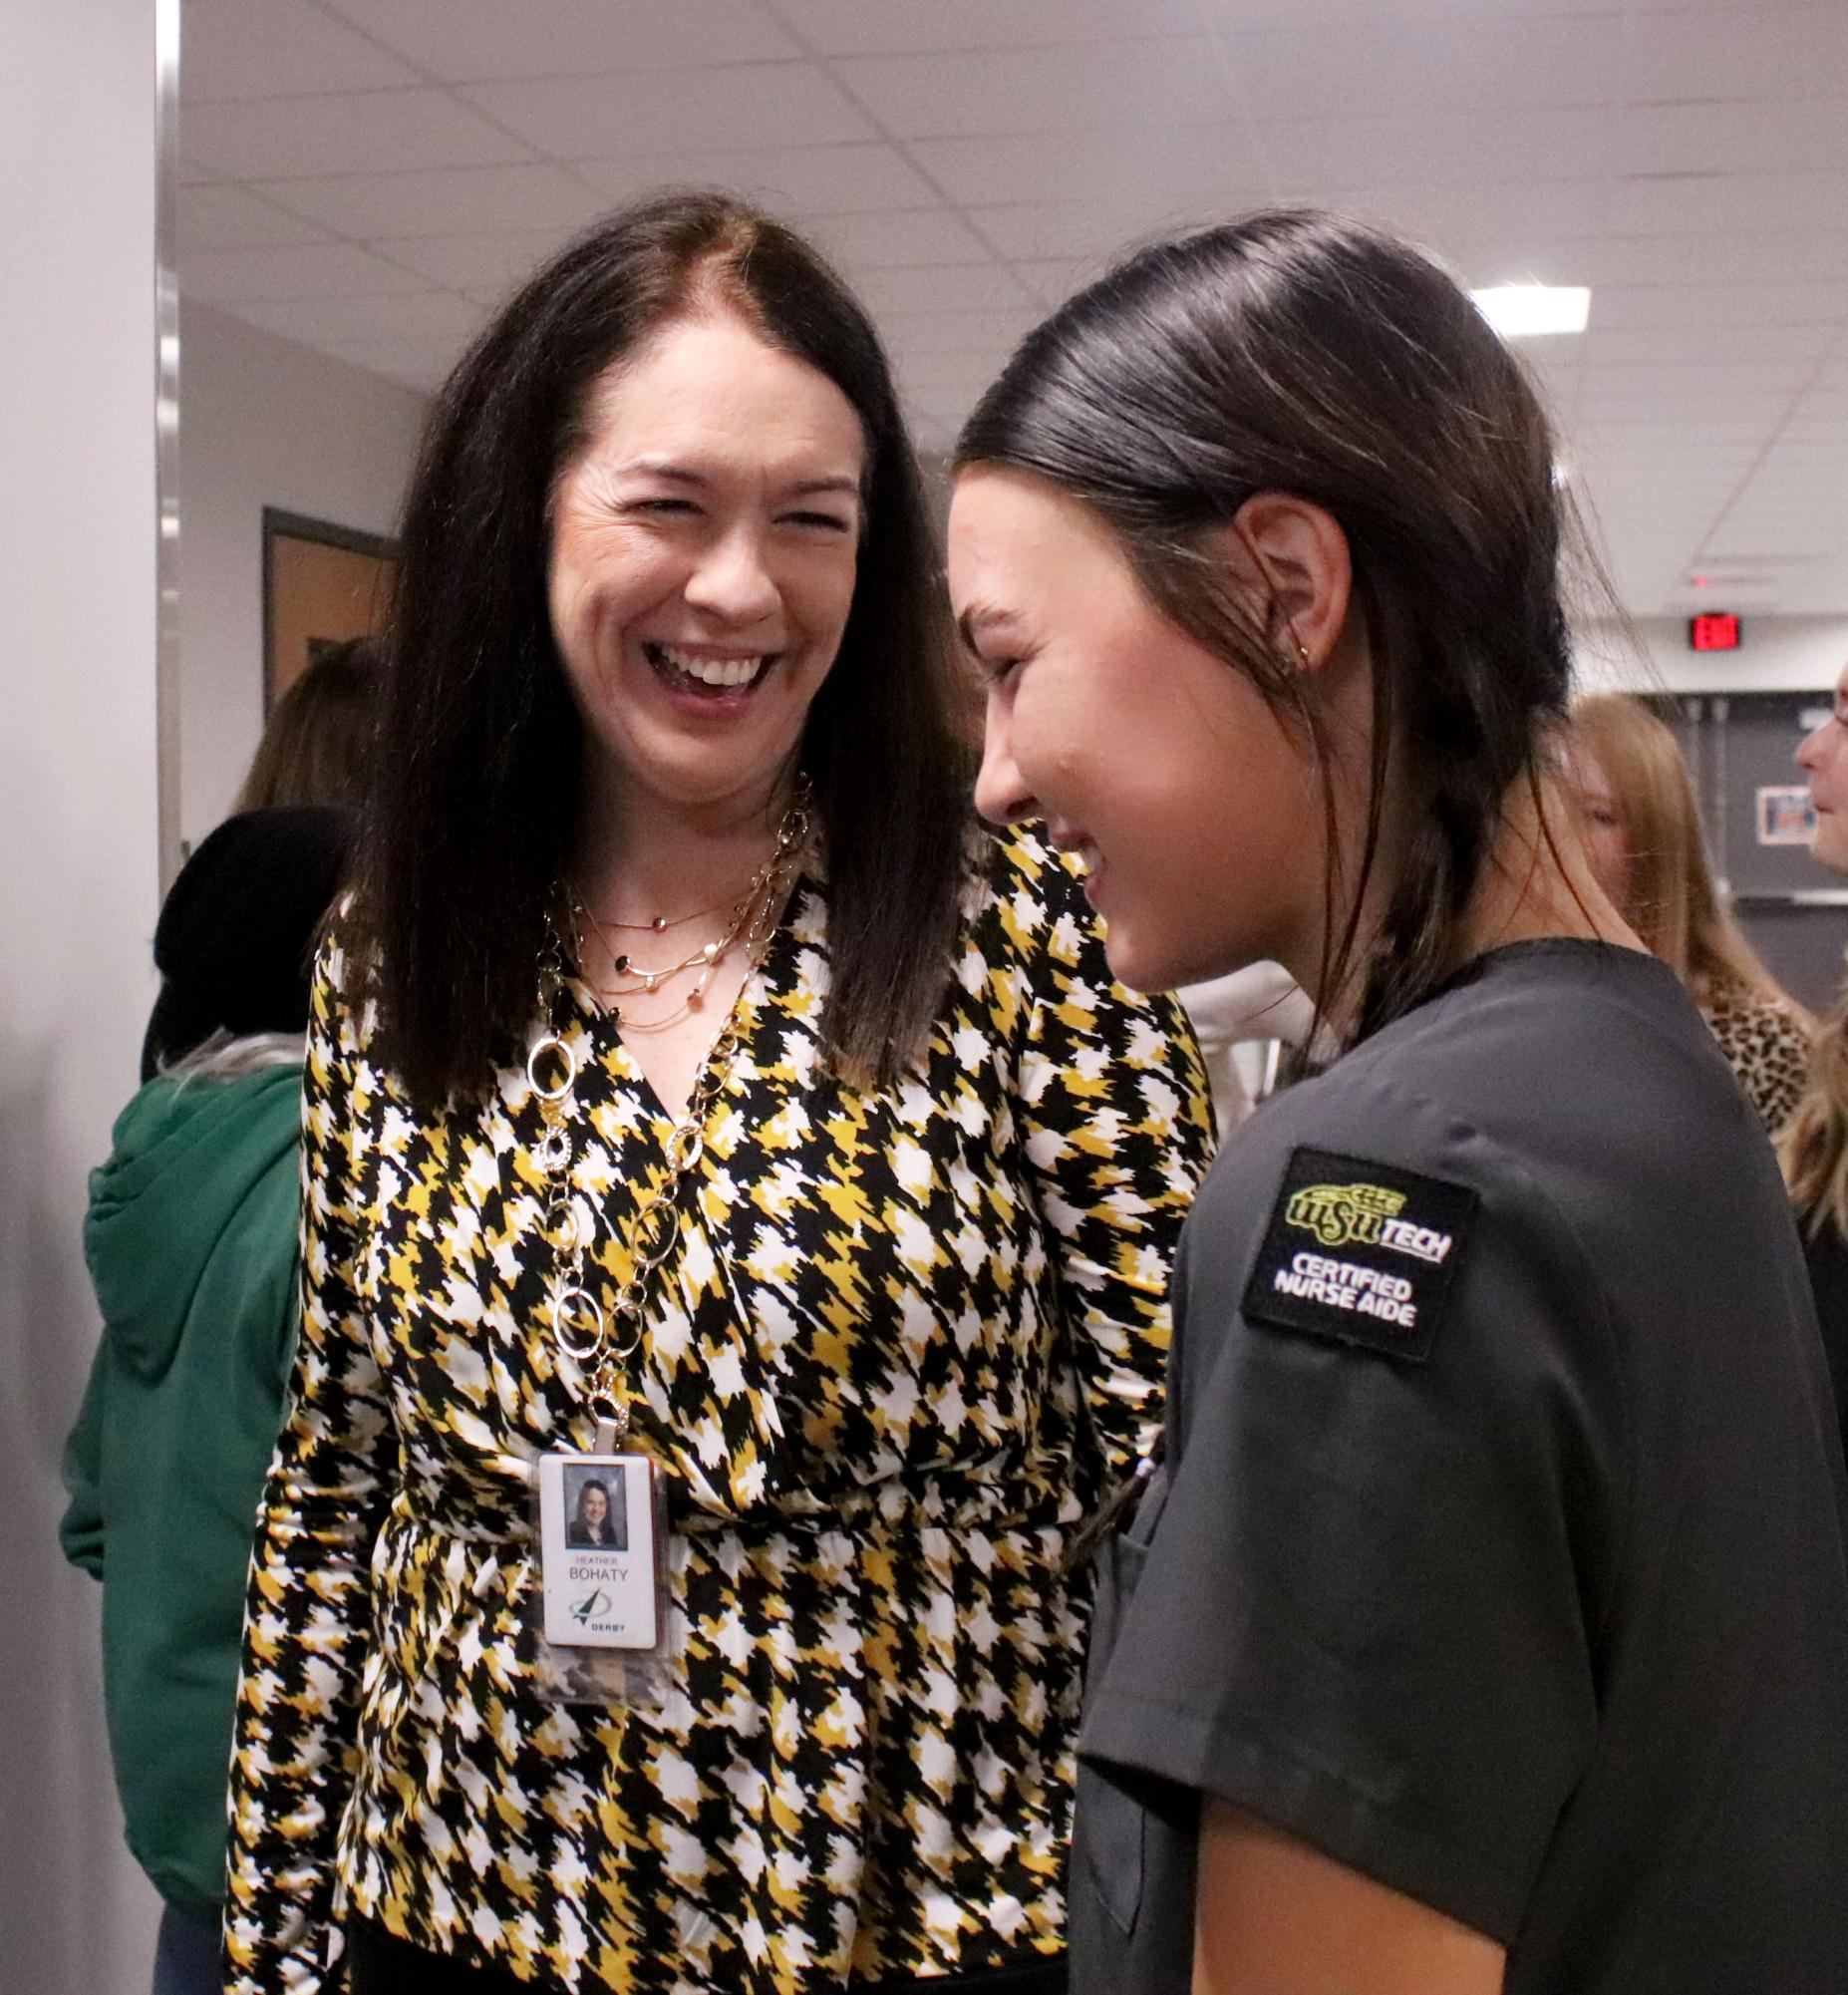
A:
x,y
1483,1628
1233,1015
1813,1144
1627,775
690,1062
317,744
190,1242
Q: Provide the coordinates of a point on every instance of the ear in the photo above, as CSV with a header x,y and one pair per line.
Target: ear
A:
x,y
1294,555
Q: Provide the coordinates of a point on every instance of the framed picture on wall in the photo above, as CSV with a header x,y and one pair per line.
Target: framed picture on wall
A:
x,y
322,584
1785,815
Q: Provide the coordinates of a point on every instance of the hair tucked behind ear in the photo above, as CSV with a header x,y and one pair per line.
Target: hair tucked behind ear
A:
x,y
1302,353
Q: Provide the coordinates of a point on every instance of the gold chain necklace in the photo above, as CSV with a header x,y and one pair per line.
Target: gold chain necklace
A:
x,y
600,1339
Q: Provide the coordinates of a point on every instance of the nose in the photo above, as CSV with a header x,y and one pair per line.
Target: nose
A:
x,y
1001,795
732,582
1810,747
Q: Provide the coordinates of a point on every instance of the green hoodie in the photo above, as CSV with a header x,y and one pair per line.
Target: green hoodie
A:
x,y
192,1245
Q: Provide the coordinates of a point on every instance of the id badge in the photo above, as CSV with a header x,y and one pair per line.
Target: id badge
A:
x,y
603,1597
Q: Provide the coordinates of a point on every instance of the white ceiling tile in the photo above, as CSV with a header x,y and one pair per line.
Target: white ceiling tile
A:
x,y
466,41
370,131
227,218
891,241
1490,66
427,316
1619,435
1702,261
1243,16
457,200
1682,382
1706,204
1436,147
1720,304
1705,344
1480,215
734,109
1833,372
796,180
1080,233
941,287
911,335
1053,279
1750,51
1740,138
310,270
486,267
901,27
276,48
1154,84
1181,162
950,373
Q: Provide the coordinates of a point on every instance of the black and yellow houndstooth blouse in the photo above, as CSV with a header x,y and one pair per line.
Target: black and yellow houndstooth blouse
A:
x,y
906,1340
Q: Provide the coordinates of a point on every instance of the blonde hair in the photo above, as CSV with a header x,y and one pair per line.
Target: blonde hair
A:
x,y
1812,1145
1672,902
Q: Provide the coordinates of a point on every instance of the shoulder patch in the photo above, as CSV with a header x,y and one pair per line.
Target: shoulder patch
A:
x,y
1360,1252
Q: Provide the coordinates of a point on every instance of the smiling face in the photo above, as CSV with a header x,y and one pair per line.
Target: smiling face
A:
x,y
1200,816
594,1507
702,558
1823,758
1601,821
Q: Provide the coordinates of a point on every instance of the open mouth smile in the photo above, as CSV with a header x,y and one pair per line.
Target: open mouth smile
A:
x,y
710,678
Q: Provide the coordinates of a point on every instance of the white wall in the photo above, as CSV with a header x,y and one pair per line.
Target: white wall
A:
x,y
262,422
78,896
1777,654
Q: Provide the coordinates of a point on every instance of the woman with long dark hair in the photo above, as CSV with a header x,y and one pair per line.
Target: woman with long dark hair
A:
x,y
1486,1625
691,1090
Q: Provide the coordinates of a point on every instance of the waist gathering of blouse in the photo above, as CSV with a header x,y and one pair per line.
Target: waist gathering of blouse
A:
x,y
908,1339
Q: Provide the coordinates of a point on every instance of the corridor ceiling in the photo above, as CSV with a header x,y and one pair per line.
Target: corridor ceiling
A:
x,y
369,177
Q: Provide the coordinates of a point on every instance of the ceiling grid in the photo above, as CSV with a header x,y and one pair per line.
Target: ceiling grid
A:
x,y
369,177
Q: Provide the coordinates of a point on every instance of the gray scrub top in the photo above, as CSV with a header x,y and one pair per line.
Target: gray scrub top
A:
x,y
1499,1548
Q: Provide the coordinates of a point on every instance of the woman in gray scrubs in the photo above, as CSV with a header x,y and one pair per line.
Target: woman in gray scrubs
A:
x,y
1486,1623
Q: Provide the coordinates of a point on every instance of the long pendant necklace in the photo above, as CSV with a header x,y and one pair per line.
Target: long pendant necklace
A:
x,y
599,1338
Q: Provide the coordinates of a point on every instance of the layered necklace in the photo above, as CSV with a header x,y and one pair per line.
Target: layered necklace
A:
x,y
599,1332
763,893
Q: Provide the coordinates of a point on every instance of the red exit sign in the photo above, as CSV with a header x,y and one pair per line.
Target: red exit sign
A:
x,y
1713,633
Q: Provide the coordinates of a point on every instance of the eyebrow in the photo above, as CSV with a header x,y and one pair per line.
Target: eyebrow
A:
x,y
981,616
803,487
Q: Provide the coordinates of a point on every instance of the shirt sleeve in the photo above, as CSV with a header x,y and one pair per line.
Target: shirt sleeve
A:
x,y
1368,1602
1118,1130
307,1611
83,1533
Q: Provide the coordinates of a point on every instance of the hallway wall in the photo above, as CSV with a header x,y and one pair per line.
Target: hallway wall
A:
x,y
77,897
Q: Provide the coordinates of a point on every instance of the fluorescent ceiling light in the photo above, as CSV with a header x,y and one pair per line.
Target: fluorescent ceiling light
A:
x,y
1522,311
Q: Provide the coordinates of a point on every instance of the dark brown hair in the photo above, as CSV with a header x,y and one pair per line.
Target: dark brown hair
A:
x,y
471,823
1302,353
317,742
